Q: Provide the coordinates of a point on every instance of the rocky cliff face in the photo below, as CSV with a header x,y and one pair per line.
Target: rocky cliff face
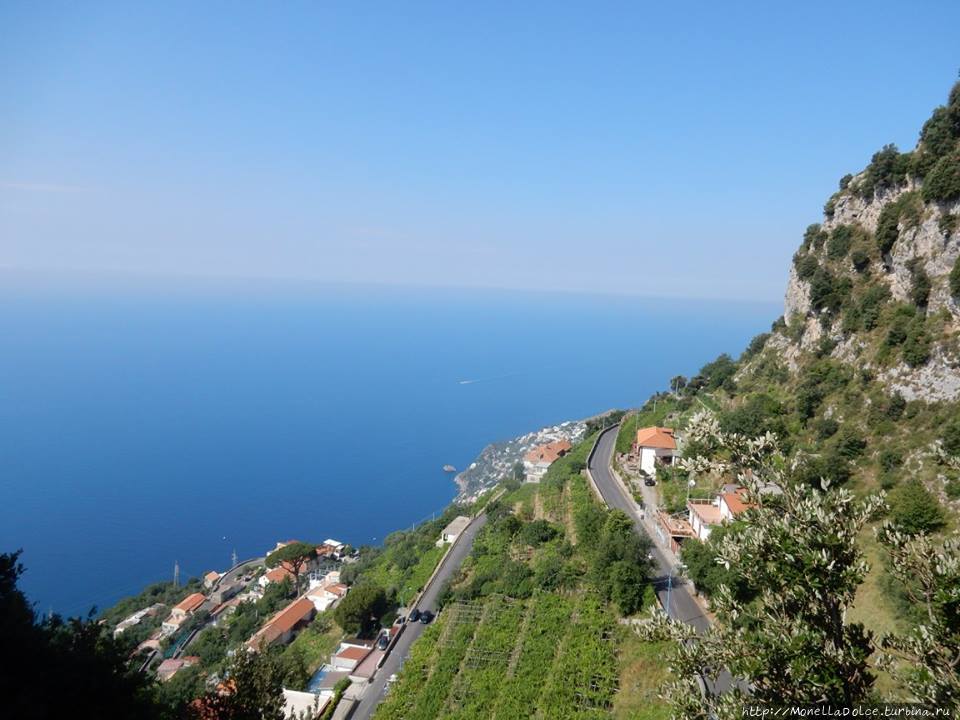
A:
x,y
878,282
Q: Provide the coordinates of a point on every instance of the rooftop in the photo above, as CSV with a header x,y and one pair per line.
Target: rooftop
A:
x,y
660,438
708,513
735,501
353,653
190,603
548,453
457,525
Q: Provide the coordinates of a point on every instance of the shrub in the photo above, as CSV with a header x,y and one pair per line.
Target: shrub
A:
x,y
860,259
888,227
914,509
887,169
839,243
895,406
850,443
943,181
829,466
947,224
919,283
814,236
827,292
830,207
916,347
955,279
806,265
759,414
940,132
950,437
826,428
890,459
845,181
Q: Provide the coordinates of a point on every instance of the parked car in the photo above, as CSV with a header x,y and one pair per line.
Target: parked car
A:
x,y
649,481
426,616
383,641
413,616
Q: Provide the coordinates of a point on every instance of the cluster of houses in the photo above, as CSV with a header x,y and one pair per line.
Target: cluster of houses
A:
x,y
656,446
323,593
538,460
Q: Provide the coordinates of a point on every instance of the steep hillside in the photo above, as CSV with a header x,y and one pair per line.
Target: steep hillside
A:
x,y
864,367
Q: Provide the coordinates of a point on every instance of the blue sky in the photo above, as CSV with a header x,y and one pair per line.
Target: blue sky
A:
x,y
671,149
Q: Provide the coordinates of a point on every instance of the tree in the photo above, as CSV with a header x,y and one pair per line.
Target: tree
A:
x,y
677,383
361,609
252,690
926,659
293,557
914,509
793,644
943,182
627,582
88,666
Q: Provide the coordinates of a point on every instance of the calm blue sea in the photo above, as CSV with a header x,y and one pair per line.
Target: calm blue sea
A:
x,y
142,428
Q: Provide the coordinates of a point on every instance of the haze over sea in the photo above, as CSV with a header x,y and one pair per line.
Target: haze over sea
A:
x,y
142,427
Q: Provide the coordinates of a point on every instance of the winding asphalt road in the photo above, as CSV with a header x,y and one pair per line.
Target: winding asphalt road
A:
x,y
373,693
682,605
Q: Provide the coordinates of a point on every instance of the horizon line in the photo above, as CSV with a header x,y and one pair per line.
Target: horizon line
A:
x,y
115,278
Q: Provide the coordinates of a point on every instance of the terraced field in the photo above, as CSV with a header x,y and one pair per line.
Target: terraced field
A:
x,y
551,656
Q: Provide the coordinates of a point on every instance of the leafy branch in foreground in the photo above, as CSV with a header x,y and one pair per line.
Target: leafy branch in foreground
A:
x,y
798,550
927,659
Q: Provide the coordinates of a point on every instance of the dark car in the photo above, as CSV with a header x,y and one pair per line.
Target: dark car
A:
x,y
426,616
649,481
383,641
413,616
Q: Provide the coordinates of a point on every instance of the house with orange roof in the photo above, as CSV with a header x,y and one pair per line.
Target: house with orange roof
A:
x,y
210,579
181,611
539,459
704,515
277,574
326,596
285,625
655,445
348,657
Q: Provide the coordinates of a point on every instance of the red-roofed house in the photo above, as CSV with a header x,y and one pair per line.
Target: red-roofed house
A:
x,y
186,607
277,574
284,626
704,515
348,657
539,459
325,596
655,444
210,579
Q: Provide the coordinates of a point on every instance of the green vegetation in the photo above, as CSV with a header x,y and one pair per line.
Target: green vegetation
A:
x,y
528,627
887,170
840,241
360,611
915,510
954,280
942,184
293,557
88,667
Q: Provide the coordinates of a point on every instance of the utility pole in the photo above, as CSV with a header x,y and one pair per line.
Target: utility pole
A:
x,y
176,574
233,558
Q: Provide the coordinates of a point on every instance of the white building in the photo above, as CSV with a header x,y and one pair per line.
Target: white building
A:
x,y
655,445
452,531
704,515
